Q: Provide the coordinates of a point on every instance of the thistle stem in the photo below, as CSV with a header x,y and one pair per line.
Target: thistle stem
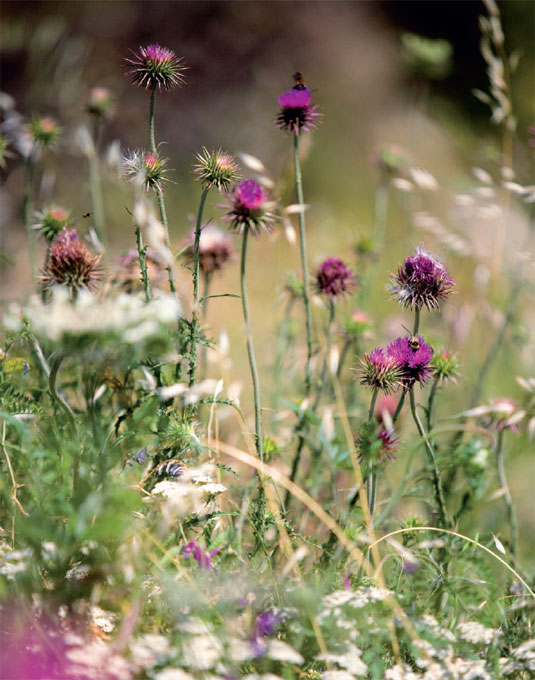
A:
x,y
304,266
159,191
95,189
416,321
431,403
27,208
400,405
54,368
195,309
371,487
508,500
439,497
372,406
250,348
142,251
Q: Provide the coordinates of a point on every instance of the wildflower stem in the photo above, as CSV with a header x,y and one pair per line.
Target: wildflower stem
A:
x,y
54,368
371,488
304,266
400,405
27,208
431,403
372,405
95,190
507,498
159,191
142,252
381,208
250,348
195,309
439,497
416,321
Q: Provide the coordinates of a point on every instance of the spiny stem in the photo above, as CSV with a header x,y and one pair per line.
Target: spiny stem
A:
x,y
371,410
304,266
159,191
250,348
431,403
371,489
195,309
142,251
439,497
507,498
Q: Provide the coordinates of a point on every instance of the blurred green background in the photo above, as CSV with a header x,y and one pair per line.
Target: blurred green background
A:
x,y
240,57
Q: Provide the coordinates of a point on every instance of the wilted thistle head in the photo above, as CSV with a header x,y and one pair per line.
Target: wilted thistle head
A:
x,y
445,366
99,102
216,168
156,68
44,131
50,221
415,364
380,371
297,113
71,264
334,279
249,209
422,280
215,249
145,168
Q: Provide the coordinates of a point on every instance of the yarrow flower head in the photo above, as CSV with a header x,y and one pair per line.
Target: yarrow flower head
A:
x,y
50,221
44,131
156,68
422,280
216,168
380,371
249,209
71,264
297,113
100,102
145,168
334,279
215,249
413,356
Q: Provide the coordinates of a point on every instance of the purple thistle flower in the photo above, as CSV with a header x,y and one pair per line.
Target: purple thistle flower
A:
x,y
297,113
156,68
215,249
422,280
415,363
71,264
380,371
249,208
389,445
266,624
203,559
334,279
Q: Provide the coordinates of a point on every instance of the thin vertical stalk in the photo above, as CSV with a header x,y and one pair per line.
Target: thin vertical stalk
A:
x,y
304,265
431,403
381,208
54,368
439,497
250,348
400,405
416,321
507,498
204,312
142,251
195,308
159,191
95,189
371,488
27,209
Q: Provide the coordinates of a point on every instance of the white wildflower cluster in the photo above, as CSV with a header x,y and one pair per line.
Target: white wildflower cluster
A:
x,y
190,492
476,633
149,650
433,625
94,659
13,562
522,659
349,660
125,319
